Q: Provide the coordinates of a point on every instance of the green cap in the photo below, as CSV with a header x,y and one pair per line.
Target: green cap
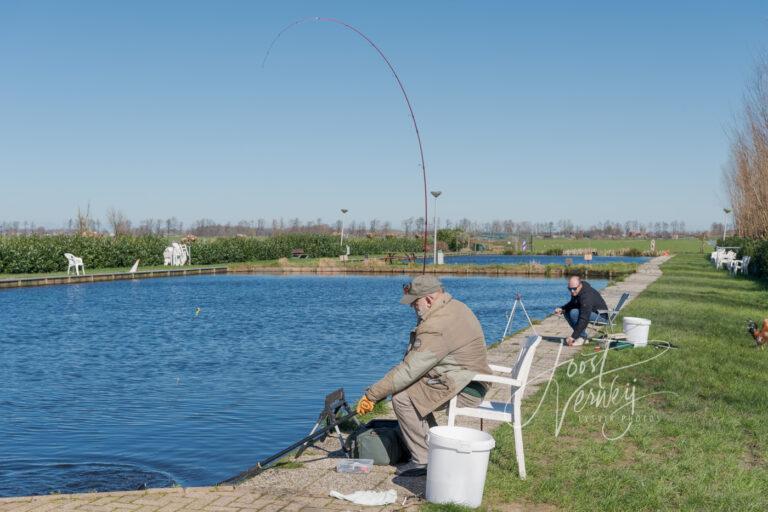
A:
x,y
420,286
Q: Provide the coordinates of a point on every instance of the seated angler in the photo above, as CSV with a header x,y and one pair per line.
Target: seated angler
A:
x,y
446,350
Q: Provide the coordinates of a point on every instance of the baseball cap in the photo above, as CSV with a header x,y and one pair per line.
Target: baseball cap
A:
x,y
420,286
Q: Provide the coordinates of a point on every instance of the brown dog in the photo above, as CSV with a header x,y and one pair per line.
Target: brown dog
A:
x,y
761,336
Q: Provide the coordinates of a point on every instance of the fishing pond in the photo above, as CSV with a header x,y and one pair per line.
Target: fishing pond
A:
x,y
190,380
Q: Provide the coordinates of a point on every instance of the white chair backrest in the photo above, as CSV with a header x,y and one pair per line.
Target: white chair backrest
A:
x,y
70,257
525,359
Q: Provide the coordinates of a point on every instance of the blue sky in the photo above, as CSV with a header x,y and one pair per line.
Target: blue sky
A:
x,y
583,110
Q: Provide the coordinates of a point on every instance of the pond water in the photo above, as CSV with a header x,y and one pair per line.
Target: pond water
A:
x,y
543,259
109,386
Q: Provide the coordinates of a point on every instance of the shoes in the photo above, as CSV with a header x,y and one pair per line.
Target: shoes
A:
x,y
579,342
411,468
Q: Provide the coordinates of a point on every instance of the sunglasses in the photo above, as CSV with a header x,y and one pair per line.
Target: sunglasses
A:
x,y
573,289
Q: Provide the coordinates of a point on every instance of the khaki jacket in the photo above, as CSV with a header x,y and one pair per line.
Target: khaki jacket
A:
x,y
446,349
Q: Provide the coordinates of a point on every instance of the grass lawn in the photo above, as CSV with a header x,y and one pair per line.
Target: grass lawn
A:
x,y
683,245
97,271
698,436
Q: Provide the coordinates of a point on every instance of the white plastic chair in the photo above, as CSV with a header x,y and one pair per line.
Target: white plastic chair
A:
x,y
741,265
184,254
180,254
726,259
74,262
168,256
516,378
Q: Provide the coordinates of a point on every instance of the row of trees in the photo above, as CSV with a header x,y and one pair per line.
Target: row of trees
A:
x,y
746,175
119,224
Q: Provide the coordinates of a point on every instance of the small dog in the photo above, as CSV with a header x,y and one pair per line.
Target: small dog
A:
x,y
760,336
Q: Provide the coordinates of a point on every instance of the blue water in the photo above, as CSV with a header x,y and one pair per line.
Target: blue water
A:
x,y
500,259
110,386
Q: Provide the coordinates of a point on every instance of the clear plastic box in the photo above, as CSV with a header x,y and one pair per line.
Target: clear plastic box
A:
x,y
355,466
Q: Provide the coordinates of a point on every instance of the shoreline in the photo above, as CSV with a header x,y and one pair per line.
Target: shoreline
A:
x,y
523,270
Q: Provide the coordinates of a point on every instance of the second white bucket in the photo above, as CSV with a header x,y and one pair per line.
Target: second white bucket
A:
x,y
636,330
458,462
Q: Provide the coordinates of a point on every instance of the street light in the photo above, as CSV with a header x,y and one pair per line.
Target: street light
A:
x,y
343,213
726,211
435,194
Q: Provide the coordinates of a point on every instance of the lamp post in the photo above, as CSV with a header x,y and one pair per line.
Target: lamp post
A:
x,y
435,194
726,211
343,214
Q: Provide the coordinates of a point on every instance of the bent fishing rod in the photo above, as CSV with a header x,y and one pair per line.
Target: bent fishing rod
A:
x,y
405,96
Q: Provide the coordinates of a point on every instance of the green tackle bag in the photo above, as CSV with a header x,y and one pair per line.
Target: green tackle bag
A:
x,y
380,440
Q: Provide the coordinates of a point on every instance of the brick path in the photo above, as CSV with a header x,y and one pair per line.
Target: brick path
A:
x,y
306,488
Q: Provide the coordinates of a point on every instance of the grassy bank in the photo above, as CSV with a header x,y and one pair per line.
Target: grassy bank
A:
x,y
115,270
609,270
697,438
682,245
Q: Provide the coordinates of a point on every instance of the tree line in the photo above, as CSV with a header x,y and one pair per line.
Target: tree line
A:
x,y
117,223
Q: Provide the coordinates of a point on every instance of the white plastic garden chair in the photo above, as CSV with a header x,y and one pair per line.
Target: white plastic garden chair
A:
x,y
74,262
180,254
168,256
726,259
516,378
741,265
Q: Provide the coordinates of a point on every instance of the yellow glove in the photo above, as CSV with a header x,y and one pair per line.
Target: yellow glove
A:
x,y
365,405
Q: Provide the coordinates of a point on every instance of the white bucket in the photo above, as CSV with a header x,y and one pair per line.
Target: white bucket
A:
x,y
458,461
636,330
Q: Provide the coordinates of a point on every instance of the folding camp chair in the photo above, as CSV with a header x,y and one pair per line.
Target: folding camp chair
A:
x,y
607,317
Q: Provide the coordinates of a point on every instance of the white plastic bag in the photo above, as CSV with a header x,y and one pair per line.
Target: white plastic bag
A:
x,y
372,498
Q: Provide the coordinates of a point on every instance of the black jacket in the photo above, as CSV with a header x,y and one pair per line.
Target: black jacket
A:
x,y
588,301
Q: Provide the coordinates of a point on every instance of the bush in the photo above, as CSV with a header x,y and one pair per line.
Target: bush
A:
x,y
35,253
633,251
454,238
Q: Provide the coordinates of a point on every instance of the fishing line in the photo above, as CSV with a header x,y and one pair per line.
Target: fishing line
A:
x,y
402,89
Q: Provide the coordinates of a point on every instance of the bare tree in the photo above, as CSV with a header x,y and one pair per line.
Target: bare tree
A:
x,y
84,221
118,222
746,175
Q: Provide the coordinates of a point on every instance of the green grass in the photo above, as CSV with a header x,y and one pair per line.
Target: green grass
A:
x,y
699,443
97,271
683,245
288,463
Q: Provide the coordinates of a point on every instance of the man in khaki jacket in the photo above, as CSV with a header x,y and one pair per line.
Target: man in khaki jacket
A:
x,y
446,349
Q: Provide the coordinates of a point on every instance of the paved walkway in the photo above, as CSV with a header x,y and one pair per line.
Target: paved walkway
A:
x,y
306,488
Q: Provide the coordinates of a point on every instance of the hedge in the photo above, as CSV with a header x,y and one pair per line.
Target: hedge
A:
x,y
36,253
756,249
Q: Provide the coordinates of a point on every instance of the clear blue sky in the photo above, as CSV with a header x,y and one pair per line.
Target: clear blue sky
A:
x,y
580,110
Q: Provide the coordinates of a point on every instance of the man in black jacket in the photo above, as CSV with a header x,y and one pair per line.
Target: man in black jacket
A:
x,y
581,309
